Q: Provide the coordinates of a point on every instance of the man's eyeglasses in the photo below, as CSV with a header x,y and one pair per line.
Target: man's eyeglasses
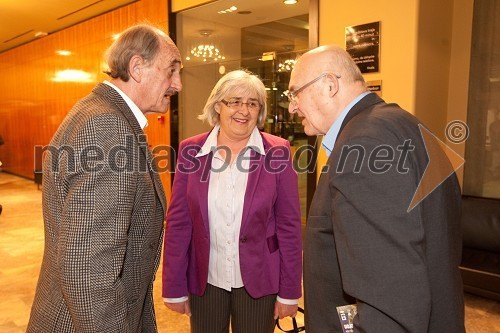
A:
x,y
236,104
292,94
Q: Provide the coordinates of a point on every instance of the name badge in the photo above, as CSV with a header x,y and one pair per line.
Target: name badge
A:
x,y
346,316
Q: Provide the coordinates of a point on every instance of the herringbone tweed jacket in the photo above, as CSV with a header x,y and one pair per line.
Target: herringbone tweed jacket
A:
x,y
104,208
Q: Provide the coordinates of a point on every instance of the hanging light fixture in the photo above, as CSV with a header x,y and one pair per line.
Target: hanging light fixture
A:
x,y
286,66
206,51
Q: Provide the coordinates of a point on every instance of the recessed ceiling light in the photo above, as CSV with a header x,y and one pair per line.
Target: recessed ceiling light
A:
x,y
63,52
229,10
290,2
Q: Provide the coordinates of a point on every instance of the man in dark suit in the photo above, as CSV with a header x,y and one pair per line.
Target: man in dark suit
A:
x,y
103,201
366,241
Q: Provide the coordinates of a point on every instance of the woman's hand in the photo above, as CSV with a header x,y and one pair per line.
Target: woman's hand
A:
x,y
181,307
284,310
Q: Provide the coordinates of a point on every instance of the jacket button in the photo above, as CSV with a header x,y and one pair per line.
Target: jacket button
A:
x,y
243,239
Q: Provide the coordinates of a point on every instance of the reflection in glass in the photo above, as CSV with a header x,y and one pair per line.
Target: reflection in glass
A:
x,y
265,38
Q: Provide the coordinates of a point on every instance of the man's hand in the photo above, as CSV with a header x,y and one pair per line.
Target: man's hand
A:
x,y
284,310
181,307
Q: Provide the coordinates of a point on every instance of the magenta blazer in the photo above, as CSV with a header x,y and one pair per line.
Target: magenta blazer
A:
x,y
270,241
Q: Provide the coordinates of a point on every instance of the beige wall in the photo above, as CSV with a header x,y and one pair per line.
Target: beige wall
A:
x,y
458,85
433,63
424,54
398,43
398,25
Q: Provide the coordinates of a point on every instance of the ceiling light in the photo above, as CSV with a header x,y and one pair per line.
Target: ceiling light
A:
x,y
290,2
73,75
40,34
63,52
229,10
286,66
206,51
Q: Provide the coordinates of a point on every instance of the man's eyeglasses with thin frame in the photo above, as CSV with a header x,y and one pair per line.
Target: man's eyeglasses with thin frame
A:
x,y
292,95
236,104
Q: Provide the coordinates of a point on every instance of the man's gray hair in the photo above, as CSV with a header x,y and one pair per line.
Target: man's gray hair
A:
x,y
142,39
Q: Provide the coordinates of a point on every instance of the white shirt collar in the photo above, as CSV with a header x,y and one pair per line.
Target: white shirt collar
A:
x,y
141,118
254,142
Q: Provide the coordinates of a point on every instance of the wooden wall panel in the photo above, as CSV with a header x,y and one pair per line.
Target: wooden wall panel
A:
x,y
32,105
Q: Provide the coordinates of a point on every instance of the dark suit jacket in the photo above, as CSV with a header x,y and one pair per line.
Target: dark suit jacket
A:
x,y
103,211
270,235
362,245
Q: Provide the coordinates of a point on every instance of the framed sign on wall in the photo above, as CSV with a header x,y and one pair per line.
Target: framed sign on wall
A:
x,y
362,42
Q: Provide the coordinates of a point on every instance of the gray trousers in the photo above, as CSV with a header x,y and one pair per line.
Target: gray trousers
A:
x,y
212,312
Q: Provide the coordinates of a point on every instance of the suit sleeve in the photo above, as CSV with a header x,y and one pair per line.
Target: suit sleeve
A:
x,y
380,245
177,235
96,215
289,230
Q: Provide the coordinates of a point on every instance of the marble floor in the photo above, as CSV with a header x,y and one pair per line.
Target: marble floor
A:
x,y
21,249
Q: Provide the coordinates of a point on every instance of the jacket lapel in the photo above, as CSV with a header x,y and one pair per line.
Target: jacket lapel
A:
x,y
203,176
255,166
112,95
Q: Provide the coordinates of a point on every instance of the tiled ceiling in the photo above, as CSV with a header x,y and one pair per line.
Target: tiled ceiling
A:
x,y
25,20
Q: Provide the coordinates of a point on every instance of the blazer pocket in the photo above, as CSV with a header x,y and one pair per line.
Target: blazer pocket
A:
x,y
272,243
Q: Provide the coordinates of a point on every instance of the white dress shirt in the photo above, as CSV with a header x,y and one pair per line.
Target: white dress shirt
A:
x,y
141,118
226,194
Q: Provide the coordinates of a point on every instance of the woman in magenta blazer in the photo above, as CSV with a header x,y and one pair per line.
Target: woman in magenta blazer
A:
x,y
233,245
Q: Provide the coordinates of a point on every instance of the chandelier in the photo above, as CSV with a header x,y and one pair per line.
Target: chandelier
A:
x,y
286,66
206,51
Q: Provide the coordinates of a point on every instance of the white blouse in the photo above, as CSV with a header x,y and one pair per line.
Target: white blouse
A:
x,y
226,195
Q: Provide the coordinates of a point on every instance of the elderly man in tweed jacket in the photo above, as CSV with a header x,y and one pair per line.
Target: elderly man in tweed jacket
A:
x,y
103,201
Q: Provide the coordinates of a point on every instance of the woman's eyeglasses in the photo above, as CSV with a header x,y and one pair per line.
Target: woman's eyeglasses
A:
x,y
236,104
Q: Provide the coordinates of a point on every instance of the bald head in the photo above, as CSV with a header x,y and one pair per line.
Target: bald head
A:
x,y
323,82
331,58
